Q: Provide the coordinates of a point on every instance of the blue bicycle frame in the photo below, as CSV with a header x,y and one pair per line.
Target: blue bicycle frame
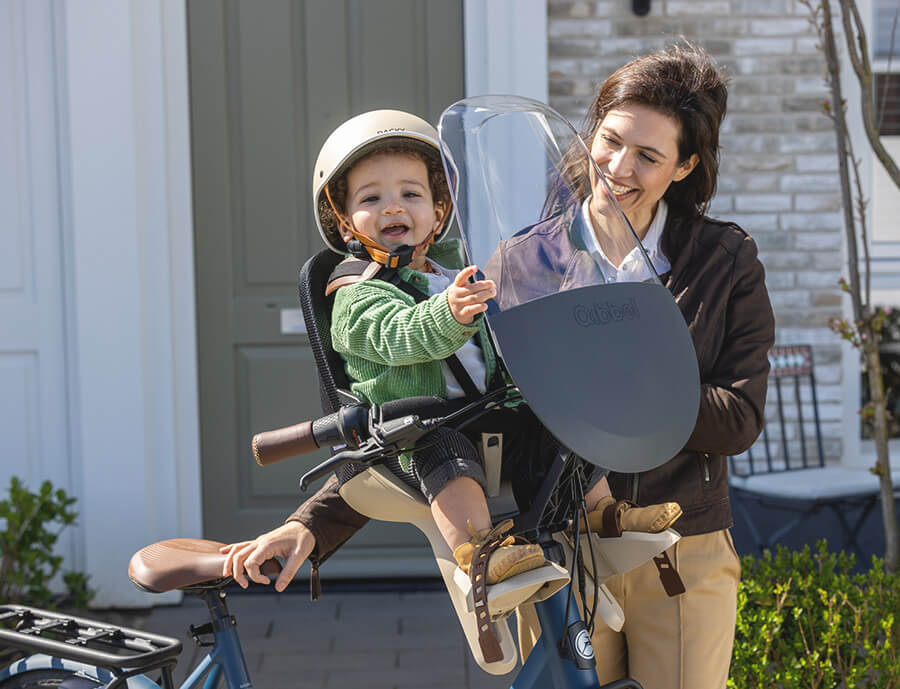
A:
x,y
551,664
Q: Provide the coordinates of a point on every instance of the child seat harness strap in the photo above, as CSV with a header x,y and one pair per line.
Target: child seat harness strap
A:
x,y
352,271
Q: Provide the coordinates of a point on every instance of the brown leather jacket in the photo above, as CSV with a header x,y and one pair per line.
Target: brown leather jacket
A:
x,y
719,286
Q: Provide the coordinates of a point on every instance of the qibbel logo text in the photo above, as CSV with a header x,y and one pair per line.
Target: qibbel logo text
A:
x,y
604,313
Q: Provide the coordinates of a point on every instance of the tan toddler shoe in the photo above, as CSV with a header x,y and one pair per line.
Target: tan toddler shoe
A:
x,y
623,516
508,559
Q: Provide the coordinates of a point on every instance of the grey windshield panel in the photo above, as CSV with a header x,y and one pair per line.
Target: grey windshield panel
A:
x,y
609,369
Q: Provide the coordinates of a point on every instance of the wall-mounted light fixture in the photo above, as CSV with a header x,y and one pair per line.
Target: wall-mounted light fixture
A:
x,y
640,7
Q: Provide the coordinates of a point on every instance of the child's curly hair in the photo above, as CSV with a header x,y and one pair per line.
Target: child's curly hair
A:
x,y
337,187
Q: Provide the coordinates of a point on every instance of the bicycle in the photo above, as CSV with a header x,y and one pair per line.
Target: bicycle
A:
x,y
78,653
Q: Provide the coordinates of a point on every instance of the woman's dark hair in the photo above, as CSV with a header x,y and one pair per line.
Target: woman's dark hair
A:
x,y
681,82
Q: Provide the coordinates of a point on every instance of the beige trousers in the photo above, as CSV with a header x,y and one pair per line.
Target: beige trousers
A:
x,y
683,642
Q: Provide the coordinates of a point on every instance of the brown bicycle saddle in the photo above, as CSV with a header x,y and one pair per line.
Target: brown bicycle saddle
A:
x,y
181,563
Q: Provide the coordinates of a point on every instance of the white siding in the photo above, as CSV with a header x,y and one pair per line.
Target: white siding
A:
x,y
33,381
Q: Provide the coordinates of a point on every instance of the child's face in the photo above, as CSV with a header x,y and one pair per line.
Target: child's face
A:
x,y
389,200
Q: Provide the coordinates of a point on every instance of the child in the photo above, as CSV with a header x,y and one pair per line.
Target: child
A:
x,y
381,194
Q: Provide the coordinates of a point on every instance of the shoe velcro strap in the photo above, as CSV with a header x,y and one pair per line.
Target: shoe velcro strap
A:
x,y
612,524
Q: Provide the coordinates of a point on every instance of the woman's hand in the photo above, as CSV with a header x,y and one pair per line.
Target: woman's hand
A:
x,y
468,299
292,542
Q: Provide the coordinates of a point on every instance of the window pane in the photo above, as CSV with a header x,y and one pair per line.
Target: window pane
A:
x,y
887,92
886,13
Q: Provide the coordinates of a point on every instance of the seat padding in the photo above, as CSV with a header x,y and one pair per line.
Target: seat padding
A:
x,y
181,563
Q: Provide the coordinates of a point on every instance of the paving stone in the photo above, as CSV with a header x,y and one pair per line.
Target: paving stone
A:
x,y
355,615
312,679
285,603
434,625
380,661
370,619
326,605
396,643
369,601
298,626
438,660
421,677
291,644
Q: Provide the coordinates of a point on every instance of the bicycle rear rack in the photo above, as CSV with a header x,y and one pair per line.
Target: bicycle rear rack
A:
x,y
123,651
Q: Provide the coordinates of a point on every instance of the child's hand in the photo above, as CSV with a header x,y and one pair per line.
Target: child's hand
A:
x,y
468,299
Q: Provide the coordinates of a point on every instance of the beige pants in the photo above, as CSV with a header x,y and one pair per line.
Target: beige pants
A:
x,y
683,642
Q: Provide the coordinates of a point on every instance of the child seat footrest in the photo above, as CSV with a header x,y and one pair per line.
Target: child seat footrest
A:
x,y
504,597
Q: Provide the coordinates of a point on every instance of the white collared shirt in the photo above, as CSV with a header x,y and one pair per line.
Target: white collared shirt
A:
x,y
633,267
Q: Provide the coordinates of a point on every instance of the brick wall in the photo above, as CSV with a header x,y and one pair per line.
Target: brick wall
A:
x,y
779,169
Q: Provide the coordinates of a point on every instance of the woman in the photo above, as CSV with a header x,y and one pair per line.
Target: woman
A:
x,y
653,130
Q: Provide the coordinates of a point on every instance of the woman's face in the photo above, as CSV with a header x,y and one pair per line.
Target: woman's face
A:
x,y
636,148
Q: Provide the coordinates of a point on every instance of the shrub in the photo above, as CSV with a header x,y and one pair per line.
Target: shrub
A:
x,y
804,621
33,522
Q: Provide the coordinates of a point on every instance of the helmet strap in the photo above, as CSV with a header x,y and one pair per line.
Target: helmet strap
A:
x,y
364,245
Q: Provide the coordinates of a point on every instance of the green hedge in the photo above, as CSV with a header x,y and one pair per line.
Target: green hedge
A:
x,y
805,621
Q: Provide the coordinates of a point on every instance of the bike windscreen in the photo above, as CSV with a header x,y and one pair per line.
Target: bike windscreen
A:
x,y
588,332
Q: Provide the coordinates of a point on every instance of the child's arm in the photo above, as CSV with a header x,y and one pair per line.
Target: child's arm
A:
x,y
373,320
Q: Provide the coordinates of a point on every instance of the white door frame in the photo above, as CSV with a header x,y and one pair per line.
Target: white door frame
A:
x,y
128,245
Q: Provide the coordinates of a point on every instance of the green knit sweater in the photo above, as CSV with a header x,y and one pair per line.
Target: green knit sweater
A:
x,y
393,348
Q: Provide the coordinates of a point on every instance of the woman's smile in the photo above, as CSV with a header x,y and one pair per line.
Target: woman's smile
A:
x,y
620,190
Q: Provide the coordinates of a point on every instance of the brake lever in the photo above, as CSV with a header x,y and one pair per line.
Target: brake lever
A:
x,y
364,455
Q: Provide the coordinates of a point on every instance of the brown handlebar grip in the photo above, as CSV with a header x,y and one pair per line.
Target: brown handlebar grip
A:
x,y
270,447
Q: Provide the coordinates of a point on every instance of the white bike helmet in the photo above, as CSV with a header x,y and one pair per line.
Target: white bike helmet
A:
x,y
354,139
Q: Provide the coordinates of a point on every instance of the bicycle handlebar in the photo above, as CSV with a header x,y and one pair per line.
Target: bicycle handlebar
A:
x,y
349,425
367,433
270,447
344,426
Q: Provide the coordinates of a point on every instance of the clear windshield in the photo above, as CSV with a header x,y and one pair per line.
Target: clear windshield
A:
x,y
591,337
520,173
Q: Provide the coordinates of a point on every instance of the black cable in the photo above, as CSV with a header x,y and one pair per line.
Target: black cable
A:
x,y
571,575
578,489
442,421
593,614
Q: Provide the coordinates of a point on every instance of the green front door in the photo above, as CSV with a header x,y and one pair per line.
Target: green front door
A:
x,y
269,81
